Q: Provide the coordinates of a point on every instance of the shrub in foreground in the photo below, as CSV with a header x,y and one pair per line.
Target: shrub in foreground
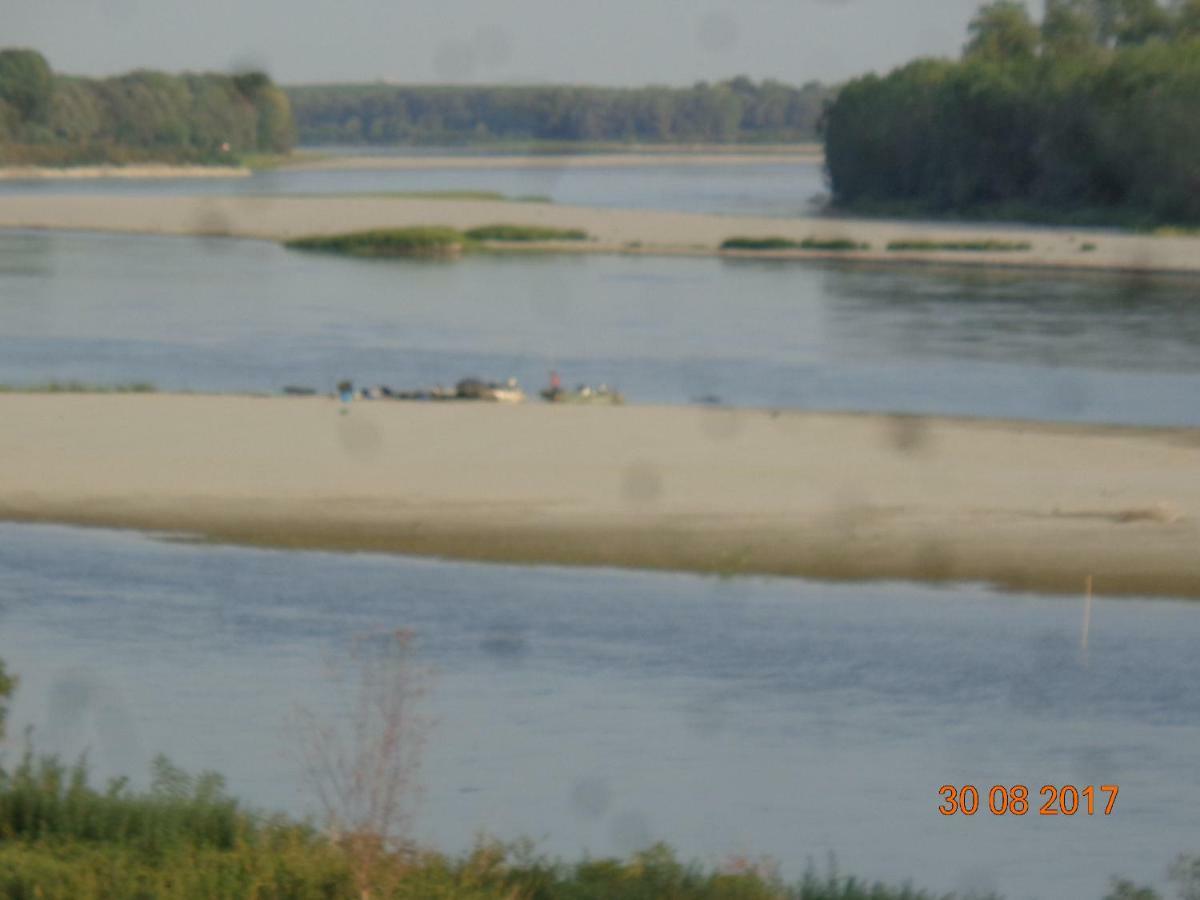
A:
x,y
61,839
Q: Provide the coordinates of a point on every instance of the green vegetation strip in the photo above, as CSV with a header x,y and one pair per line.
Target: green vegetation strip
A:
x,y
960,246
525,233
420,242
185,838
429,242
557,118
78,387
836,245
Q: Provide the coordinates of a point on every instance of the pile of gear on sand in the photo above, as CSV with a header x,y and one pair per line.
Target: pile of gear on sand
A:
x,y
508,391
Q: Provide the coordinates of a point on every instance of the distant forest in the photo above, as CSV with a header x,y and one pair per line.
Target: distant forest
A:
x,y
50,119
732,111
1091,115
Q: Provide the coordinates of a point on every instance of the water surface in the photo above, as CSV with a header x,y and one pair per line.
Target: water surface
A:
x,y
599,711
233,315
766,189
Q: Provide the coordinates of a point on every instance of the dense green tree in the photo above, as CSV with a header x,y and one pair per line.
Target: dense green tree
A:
x,y
139,115
737,110
1106,134
77,112
1139,21
1187,19
1068,29
26,83
1002,30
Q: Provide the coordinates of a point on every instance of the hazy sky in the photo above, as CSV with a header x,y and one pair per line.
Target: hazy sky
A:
x,y
577,41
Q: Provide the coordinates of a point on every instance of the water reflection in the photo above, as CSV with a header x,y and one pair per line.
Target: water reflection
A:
x,y
1107,322
26,254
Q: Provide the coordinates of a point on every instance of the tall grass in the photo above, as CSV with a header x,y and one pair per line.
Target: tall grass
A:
x,y
830,244
43,800
429,241
185,839
525,233
985,246
420,242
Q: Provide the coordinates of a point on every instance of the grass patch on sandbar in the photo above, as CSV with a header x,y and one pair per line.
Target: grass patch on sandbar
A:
x,y
429,241
78,387
825,244
421,242
525,233
988,246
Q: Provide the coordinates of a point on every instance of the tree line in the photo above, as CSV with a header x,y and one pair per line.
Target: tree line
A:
x,y
55,119
1091,115
734,110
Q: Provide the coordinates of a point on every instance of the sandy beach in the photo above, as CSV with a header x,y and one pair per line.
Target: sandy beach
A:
x,y
612,230
143,171
1021,505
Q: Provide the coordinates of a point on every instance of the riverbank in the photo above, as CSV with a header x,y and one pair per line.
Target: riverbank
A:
x,y
131,172
612,230
644,156
1021,505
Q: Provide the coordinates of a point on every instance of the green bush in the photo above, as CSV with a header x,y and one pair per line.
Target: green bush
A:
x,y
8,684
759,243
185,839
525,233
989,246
421,242
838,245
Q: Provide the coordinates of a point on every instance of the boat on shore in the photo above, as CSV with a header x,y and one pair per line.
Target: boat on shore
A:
x,y
508,391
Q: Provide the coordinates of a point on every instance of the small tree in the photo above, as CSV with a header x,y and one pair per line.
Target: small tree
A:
x,y
362,767
8,684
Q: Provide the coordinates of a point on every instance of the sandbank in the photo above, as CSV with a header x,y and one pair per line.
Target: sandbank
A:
x,y
644,157
613,230
1016,504
144,170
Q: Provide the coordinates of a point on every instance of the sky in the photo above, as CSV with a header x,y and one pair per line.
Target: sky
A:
x,y
611,42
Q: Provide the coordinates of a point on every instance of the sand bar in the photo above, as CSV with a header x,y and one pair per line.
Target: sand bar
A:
x,y
135,172
1026,506
613,230
606,160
